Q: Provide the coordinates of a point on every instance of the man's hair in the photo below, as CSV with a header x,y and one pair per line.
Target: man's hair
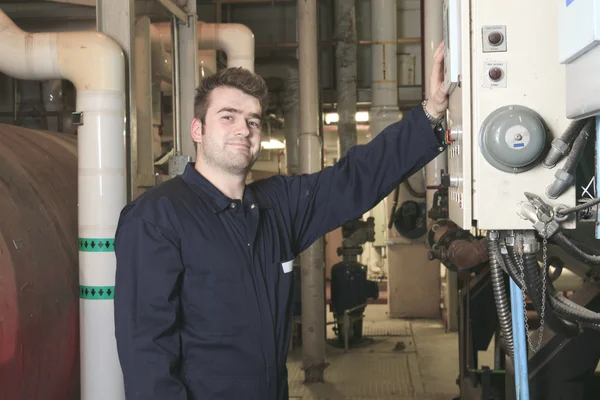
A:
x,y
237,78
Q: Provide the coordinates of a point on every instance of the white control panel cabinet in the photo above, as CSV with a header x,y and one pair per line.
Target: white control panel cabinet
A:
x,y
507,106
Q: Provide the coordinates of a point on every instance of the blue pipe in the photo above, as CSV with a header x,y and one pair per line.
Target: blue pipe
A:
x,y
598,173
520,342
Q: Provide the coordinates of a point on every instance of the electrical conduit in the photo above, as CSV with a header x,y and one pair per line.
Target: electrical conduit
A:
x,y
498,287
94,63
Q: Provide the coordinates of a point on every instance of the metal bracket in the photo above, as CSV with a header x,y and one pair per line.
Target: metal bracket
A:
x,y
77,118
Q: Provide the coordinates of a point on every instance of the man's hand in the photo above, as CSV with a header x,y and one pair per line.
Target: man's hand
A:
x,y
438,98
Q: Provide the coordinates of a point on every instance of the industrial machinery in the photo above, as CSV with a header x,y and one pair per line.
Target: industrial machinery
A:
x,y
350,288
515,212
521,123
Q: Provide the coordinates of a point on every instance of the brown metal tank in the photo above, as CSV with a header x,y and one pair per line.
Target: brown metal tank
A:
x,y
39,302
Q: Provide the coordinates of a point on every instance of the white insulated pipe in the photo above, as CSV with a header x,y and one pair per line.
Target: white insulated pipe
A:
x,y
312,260
162,64
236,40
384,86
433,37
95,64
207,62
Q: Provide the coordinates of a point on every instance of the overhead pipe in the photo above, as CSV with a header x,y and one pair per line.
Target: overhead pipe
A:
x,y
94,63
236,40
312,260
286,69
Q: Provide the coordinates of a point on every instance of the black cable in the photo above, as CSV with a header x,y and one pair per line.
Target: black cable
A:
x,y
581,207
570,248
573,130
577,150
394,205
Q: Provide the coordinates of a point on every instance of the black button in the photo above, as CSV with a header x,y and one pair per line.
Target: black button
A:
x,y
495,74
495,38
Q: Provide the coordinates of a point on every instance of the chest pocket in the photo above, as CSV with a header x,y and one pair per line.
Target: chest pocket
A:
x,y
216,298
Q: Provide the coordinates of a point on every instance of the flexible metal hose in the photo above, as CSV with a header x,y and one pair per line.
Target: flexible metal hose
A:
x,y
564,308
512,271
571,310
502,307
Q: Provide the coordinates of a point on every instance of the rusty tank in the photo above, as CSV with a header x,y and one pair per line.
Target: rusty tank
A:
x,y
39,301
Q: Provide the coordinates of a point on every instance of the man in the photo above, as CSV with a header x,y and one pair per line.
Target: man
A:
x,y
203,285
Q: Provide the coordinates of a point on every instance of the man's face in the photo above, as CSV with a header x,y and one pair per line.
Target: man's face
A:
x,y
229,141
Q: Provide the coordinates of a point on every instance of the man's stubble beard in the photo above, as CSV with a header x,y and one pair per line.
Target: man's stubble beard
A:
x,y
230,162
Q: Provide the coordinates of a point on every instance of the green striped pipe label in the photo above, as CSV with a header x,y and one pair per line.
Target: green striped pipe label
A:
x,y
96,245
97,292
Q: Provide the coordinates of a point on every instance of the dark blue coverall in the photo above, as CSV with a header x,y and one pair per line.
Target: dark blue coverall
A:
x,y
203,300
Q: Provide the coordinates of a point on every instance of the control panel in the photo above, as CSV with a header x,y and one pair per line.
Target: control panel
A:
x,y
508,103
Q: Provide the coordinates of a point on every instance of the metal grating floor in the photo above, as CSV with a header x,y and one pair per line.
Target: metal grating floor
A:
x,y
385,367
386,328
357,376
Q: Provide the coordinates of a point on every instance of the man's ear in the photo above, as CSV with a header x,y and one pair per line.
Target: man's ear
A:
x,y
196,130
